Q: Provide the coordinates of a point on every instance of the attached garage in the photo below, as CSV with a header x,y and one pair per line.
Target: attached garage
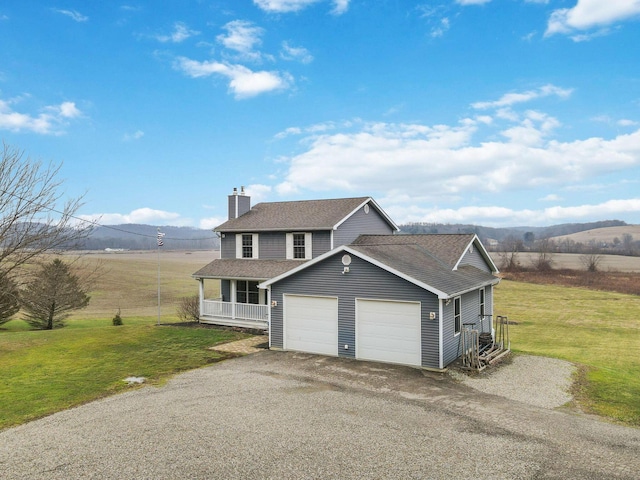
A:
x,y
388,331
311,324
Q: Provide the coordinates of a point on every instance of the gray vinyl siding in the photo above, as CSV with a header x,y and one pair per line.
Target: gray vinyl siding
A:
x,y
359,223
475,259
228,246
321,243
272,245
470,313
364,281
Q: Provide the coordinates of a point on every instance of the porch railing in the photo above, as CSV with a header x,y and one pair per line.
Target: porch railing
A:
x,y
235,311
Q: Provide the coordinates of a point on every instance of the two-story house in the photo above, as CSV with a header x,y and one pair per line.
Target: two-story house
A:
x,y
331,277
261,242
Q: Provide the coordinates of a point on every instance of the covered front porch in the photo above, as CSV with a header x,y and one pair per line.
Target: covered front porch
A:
x,y
235,300
241,305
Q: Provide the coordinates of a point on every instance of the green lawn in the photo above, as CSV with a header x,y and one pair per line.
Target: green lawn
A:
x,y
598,330
47,371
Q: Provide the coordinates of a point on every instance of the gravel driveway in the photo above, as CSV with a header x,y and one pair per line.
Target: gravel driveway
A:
x,y
286,415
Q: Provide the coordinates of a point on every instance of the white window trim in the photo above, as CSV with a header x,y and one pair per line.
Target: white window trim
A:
x,y
254,245
459,299
308,250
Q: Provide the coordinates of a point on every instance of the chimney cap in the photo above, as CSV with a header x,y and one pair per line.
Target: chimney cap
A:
x,y
242,190
235,190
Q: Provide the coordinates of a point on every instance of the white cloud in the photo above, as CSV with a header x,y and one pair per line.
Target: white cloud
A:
x,y
180,33
73,14
340,6
552,197
299,54
627,123
144,215
288,6
496,216
68,110
447,162
210,223
590,14
51,121
243,82
242,36
441,28
510,99
258,192
137,135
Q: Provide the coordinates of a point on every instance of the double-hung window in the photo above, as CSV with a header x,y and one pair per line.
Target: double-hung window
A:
x,y
299,246
457,316
482,303
247,245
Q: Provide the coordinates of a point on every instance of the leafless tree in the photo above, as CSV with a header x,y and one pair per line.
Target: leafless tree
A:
x,y
591,260
34,218
188,309
53,292
544,260
509,249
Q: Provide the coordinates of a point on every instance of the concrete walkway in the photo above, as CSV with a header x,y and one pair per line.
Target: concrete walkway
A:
x,y
245,346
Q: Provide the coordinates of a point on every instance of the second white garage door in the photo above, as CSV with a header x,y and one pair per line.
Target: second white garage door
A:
x,y
388,331
311,324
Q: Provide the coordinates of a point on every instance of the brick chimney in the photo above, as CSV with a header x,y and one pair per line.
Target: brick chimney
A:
x,y
239,203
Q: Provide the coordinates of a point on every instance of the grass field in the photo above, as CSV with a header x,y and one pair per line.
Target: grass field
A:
x,y
597,330
615,263
46,371
129,281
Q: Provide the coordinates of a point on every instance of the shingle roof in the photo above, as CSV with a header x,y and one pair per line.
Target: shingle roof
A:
x,y
449,248
416,261
252,269
298,215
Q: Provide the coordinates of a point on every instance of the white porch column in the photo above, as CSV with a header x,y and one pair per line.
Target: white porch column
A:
x,y
234,297
201,294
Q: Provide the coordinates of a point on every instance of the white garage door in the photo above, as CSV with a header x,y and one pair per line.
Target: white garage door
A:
x,y
311,324
388,331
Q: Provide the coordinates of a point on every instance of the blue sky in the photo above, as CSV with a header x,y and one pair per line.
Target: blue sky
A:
x,y
493,112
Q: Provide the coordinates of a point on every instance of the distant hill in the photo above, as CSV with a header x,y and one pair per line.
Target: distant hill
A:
x,y
607,235
144,237
500,234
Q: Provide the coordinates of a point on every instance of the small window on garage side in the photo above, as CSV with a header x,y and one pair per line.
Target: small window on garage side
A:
x,y
482,303
457,317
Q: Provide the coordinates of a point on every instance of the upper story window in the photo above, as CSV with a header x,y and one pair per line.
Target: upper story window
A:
x,y
247,245
299,246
